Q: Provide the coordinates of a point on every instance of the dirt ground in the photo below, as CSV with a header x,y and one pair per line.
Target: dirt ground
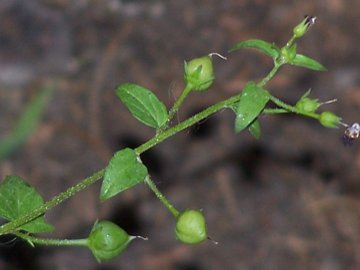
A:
x,y
290,200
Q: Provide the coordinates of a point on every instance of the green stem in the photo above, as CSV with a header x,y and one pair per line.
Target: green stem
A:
x,y
12,226
290,42
52,242
270,75
293,109
187,123
161,197
179,102
275,111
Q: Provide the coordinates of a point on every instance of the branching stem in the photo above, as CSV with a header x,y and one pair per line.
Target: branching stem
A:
x,y
13,226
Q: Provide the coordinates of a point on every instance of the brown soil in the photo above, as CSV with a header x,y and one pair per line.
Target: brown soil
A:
x,y
290,200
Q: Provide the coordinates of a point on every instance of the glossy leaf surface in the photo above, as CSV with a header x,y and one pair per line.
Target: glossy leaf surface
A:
x,y
252,102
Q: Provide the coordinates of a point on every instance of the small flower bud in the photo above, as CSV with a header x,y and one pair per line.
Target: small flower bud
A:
x,y
329,119
107,240
191,227
308,105
304,26
199,73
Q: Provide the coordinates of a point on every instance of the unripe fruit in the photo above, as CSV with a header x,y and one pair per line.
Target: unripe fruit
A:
x,y
191,227
199,73
107,240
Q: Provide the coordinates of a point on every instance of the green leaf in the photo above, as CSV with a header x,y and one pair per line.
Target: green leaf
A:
x,y
125,170
143,104
18,198
255,129
26,124
252,102
267,48
307,62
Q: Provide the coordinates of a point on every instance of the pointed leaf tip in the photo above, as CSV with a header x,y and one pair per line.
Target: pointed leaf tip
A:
x,y
307,62
265,47
125,170
143,104
252,102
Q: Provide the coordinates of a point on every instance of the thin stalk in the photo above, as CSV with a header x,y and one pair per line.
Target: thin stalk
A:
x,y
291,41
275,111
270,75
161,197
179,102
52,242
293,109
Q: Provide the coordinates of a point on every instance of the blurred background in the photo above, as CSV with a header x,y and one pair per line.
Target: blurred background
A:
x,y
290,200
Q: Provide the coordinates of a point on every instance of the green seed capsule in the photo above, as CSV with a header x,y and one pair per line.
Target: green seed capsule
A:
x,y
307,105
107,240
191,227
329,119
199,73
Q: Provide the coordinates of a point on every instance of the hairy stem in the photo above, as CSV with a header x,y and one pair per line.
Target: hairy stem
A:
x,y
293,109
179,101
52,242
270,75
12,226
161,197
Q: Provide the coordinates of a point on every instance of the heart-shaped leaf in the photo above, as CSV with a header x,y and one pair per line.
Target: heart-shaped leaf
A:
x,y
125,170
